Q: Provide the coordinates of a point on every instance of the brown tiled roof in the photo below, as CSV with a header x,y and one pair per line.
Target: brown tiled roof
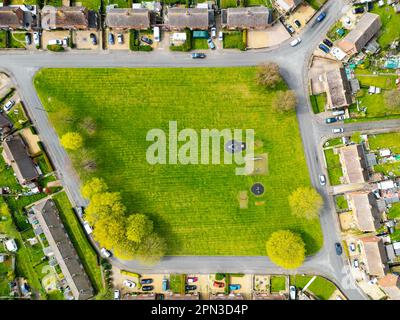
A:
x,y
337,88
193,18
4,121
265,296
65,253
65,18
221,296
353,163
365,211
375,256
11,17
248,18
120,18
391,285
177,296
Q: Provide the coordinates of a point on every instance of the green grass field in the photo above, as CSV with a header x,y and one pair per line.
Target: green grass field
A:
x,y
195,207
278,283
320,287
318,102
390,25
334,167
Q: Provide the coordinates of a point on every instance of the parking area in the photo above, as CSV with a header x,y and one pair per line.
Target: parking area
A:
x,y
53,35
303,14
83,40
267,38
318,67
245,282
117,45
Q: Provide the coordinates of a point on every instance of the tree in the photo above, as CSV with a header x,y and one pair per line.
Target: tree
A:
x,y
138,226
72,140
89,125
94,186
125,249
151,249
4,210
104,205
392,99
305,202
285,101
87,160
268,74
286,249
109,231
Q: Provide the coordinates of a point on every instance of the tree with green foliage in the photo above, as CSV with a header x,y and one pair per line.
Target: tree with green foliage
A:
x,y
305,202
93,186
138,227
286,249
268,75
285,101
151,249
104,205
72,141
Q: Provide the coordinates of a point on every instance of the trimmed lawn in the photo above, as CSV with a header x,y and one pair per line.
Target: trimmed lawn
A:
x,y
120,3
90,4
228,4
321,288
3,39
232,40
78,237
17,116
17,40
341,202
334,167
318,102
390,25
194,207
199,44
177,283
394,211
278,283
385,140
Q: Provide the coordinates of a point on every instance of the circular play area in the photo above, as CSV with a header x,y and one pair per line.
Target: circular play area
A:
x,y
257,189
234,146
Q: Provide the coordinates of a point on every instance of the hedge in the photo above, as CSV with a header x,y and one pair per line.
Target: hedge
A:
x,y
134,43
187,45
55,47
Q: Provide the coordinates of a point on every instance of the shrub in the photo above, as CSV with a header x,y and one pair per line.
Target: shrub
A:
x,y
134,43
55,47
219,276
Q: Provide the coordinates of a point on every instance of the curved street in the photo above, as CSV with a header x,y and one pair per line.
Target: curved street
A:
x,y
22,67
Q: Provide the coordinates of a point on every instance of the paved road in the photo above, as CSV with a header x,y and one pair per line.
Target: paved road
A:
x,y
293,62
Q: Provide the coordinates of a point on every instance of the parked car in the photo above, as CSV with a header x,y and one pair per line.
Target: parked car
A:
x,y
328,43
117,295
292,292
297,23
340,118
129,284
189,287
156,34
220,36
355,263
146,281
105,253
322,180
146,40
233,287
213,32
111,39
147,288
9,105
55,42
29,7
165,284
120,38
28,39
352,247
338,112
218,284
192,279
358,10
210,44
290,29
338,248
337,130
321,16
93,38
324,48
295,42
65,41
198,55
36,38
330,120
87,227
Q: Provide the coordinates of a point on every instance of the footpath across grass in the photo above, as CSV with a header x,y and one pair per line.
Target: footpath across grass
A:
x,y
320,287
195,207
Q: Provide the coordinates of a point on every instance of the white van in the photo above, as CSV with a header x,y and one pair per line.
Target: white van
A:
x,y
338,112
87,227
55,41
156,34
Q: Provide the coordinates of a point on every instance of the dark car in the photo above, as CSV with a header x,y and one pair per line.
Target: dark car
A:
x,y
290,29
338,248
297,23
321,16
330,120
93,38
147,288
146,40
328,43
28,38
146,281
198,55
324,48
189,287
111,38
358,10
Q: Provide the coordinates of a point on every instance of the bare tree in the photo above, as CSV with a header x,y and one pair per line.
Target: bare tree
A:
x,y
268,74
89,125
285,101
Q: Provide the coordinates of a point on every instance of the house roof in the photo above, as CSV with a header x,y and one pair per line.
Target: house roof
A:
x,y
4,121
337,88
193,18
391,285
221,296
65,253
365,211
178,296
14,18
267,296
365,29
288,4
122,18
67,18
375,256
353,163
249,17
16,153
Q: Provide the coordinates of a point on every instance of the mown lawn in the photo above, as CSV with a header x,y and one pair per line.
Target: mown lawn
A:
x,y
17,40
394,211
278,283
318,102
385,140
390,25
334,167
316,4
90,4
321,288
78,237
232,40
195,207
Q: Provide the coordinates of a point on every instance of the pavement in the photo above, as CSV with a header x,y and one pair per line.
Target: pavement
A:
x,y
22,67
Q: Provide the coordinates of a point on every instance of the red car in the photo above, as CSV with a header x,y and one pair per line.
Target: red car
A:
x,y
192,279
218,284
